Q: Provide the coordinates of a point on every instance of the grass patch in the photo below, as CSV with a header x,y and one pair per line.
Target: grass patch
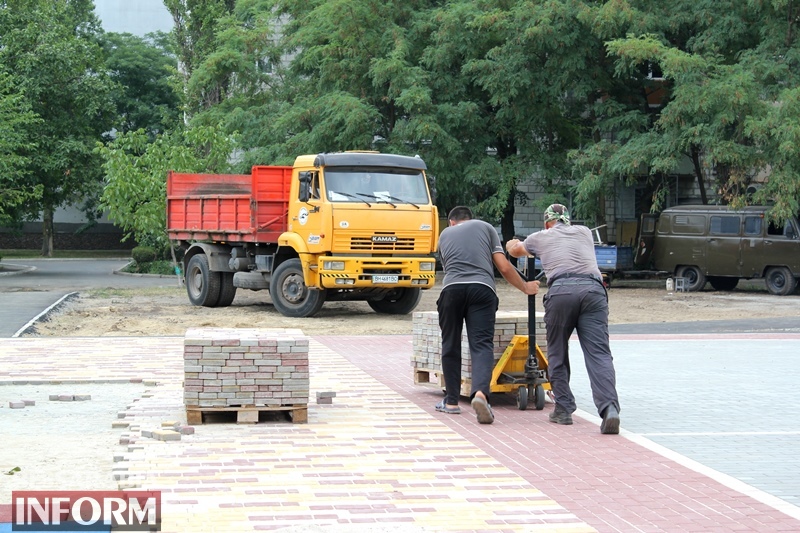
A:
x,y
163,268
130,293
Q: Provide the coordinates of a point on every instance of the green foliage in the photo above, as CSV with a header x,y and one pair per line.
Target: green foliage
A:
x,y
136,175
143,69
572,96
143,254
52,51
17,123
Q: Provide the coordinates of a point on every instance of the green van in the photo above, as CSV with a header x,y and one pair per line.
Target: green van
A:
x,y
720,245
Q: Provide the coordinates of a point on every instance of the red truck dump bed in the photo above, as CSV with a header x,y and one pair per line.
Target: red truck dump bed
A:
x,y
229,207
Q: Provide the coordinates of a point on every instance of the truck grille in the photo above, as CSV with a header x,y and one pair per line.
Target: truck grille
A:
x,y
402,244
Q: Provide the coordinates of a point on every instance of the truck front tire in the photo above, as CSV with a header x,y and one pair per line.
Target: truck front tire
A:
x,y
398,302
289,293
202,285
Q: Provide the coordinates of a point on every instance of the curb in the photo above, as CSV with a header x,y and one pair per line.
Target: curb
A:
x,y
13,270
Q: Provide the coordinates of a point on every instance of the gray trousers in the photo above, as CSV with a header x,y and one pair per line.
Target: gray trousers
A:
x,y
582,305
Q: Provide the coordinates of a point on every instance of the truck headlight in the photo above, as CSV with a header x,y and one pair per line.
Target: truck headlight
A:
x,y
333,265
425,266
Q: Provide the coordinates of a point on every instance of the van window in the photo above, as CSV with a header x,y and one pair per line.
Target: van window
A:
x,y
775,229
725,225
689,224
752,226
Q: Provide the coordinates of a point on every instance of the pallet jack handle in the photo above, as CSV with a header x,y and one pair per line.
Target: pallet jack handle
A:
x,y
532,365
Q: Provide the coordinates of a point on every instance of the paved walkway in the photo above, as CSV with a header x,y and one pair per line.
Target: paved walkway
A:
x,y
379,458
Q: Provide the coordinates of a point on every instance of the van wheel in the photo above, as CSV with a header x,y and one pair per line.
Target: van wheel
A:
x,y
780,281
695,279
721,283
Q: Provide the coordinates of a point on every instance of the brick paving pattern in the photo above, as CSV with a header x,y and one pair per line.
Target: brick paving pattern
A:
x,y
378,456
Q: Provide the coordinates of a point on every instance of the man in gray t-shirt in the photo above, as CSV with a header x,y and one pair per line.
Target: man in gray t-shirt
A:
x,y
469,250
576,300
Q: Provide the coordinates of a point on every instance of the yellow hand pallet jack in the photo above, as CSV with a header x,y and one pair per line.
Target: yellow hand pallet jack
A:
x,y
522,369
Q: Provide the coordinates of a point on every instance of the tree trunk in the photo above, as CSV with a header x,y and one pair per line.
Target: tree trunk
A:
x,y
698,172
47,232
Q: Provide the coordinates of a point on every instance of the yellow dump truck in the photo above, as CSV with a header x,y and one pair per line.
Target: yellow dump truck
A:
x,y
332,227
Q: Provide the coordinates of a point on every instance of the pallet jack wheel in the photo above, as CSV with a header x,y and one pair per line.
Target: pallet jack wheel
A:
x,y
522,398
538,397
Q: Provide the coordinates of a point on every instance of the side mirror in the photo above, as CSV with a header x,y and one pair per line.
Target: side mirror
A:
x,y
305,186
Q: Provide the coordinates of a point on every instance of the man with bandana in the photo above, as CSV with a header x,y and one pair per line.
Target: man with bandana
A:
x,y
576,299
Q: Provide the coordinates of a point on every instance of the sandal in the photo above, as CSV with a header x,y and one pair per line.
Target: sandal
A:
x,y
483,410
443,408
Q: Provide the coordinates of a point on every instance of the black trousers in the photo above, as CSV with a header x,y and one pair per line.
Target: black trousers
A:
x,y
476,305
582,305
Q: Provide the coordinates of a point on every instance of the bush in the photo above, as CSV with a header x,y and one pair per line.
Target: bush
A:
x,y
143,254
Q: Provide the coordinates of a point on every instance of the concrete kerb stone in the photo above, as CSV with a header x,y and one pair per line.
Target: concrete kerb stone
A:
x,y
13,270
44,314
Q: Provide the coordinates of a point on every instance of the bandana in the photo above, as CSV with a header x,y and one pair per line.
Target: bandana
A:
x,y
557,212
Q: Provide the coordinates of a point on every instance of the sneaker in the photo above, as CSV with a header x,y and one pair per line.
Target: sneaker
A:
x,y
482,409
561,416
610,425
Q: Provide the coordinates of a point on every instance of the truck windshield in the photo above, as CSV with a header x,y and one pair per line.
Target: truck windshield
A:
x,y
395,186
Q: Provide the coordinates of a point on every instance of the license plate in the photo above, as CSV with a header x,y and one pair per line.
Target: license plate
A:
x,y
385,279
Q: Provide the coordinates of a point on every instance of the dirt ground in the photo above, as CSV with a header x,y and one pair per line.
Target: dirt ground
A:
x,y
167,311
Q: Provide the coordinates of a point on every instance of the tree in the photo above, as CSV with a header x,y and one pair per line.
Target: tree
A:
x,y
52,48
724,65
17,122
196,24
136,175
143,69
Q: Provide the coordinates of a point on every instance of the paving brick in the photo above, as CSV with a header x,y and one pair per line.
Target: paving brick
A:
x,y
166,435
236,363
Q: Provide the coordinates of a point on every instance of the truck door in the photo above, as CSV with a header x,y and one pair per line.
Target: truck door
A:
x,y
309,220
646,240
724,248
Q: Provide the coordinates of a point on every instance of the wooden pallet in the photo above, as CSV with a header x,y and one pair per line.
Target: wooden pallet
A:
x,y
424,376
246,414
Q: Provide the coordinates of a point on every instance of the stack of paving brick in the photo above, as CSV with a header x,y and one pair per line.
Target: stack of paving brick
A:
x,y
427,339
226,367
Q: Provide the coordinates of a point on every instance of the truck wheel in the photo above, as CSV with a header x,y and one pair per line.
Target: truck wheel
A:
x,y
398,302
695,279
780,281
227,291
289,293
721,283
202,285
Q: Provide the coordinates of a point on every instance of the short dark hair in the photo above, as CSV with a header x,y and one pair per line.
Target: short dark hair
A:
x,y
460,213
